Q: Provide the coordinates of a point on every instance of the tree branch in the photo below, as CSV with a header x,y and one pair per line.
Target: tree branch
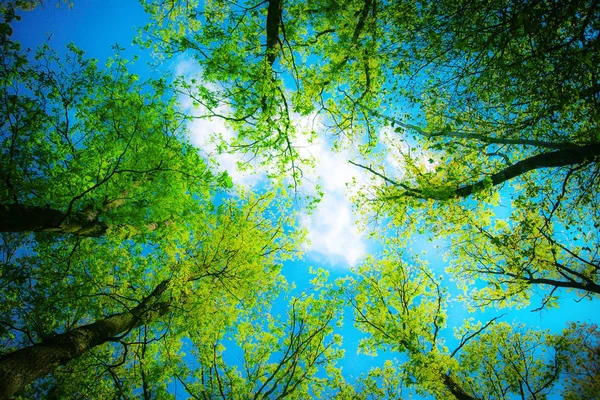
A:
x,y
476,136
21,367
581,154
589,287
465,339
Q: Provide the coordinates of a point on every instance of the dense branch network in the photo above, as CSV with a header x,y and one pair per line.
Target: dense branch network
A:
x,y
573,155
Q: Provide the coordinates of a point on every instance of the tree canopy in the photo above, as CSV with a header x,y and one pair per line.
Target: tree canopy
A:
x,y
480,96
131,268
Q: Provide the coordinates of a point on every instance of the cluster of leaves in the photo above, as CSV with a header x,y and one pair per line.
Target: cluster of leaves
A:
x,y
95,146
402,307
509,120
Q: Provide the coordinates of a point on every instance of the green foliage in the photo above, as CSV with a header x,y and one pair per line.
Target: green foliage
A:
x,y
264,90
488,95
84,140
478,125
388,290
287,358
580,348
226,261
401,306
507,360
79,139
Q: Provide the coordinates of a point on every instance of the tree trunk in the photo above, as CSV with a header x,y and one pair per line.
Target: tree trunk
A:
x,y
21,367
21,218
273,21
456,389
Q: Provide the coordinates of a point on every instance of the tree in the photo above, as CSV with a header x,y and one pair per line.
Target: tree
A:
x,y
531,137
549,238
22,366
249,51
357,46
426,69
401,305
85,150
229,260
507,360
93,153
293,358
581,350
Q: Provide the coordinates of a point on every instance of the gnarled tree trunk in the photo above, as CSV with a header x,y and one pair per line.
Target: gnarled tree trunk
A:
x,y
21,367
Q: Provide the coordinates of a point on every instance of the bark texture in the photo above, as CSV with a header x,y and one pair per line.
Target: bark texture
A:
x,y
560,158
21,367
21,218
569,156
273,21
456,389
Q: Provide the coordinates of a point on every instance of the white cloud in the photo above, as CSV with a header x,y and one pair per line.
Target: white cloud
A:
x,y
332,234
334,238
203,130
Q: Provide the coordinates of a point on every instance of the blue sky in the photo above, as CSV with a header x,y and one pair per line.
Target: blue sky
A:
x,y
96,25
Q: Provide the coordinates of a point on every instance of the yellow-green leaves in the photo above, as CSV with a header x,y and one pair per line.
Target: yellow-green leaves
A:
x,y
292,357
506,360
96,145
398,301
578,347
